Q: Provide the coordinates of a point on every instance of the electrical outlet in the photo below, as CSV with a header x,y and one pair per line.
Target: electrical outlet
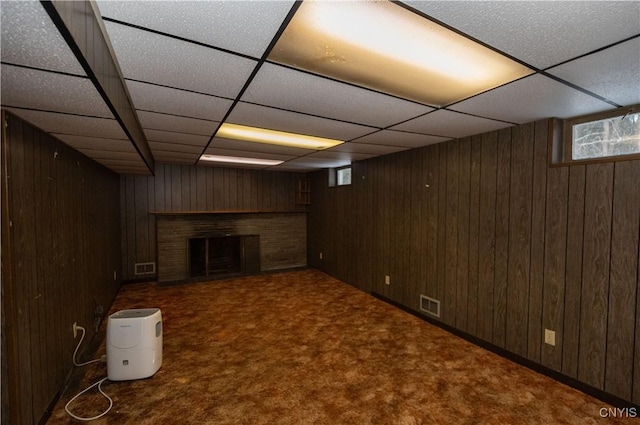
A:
x,y
321,256
75,330
387,280
550,337
115,275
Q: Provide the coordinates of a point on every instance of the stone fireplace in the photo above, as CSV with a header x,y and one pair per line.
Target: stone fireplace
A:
x,y
201,245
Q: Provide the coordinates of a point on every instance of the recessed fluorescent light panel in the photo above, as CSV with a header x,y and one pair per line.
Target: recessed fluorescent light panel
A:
x,y
272,137
385,47
239,160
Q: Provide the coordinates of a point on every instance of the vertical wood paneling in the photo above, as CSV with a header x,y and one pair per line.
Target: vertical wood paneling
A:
x,y
48,278
416,248
442,228
538,199
410,295
176,188
124,230
186,188
595,278
386,206
376,181
519,258
573,282
487,236
234,189
168,187
433,203
623,280
369,240
159,188
201,188
193,189
554,264
21,270
451,235
139,203
503,179
59,250
151,220
130,218
462,278
210,189
509,245
474,223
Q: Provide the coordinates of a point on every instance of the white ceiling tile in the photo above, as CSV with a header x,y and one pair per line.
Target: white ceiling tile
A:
x,y
285,88
315,162
163,60
166,122
29,88
232,165
30,38
400,138
364,148
178,102
285,166
172,147
450,124
138,171
612,73
178,138
118,162
241,26
277,119
52,122
162,156
540,33
111,155
175,161
221,143
343,156
531,99
96,143
245,154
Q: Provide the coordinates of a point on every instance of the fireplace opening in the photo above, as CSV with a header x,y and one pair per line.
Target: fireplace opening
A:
x,y
217,256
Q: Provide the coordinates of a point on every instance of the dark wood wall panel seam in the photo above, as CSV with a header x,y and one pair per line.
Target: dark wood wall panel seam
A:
x,y
576,197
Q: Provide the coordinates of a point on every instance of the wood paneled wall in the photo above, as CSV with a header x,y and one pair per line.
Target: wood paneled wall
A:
x,y
59,259
184,188
509,245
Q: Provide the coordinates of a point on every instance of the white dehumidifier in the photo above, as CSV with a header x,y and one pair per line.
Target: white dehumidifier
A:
x,y
134,344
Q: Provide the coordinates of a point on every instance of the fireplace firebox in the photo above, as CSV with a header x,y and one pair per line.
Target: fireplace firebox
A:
x,y
221,256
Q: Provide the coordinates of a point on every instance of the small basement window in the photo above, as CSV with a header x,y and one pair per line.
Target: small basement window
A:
x,y
343,176
607,135
340,176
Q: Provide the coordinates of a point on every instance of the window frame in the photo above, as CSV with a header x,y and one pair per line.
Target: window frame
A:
x,y
561,152
338,173
333,176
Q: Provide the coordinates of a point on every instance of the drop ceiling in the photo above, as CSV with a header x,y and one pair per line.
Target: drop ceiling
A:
x,y
189,66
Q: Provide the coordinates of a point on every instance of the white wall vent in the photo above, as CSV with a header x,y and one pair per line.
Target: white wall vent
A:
x,y
430,306
145,268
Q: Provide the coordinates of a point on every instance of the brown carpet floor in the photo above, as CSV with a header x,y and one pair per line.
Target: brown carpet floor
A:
x,y
300,347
